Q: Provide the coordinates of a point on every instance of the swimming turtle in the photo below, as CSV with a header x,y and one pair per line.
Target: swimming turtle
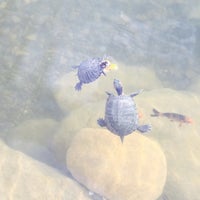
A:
x,y
121,116
91,69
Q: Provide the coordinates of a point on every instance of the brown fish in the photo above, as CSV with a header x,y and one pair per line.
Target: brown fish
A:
x,y
173,117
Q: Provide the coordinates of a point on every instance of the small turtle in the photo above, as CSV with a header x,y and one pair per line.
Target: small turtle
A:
x,y
121,116
91,69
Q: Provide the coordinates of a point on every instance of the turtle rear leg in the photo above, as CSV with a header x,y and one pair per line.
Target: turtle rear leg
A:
x,y
144,128
101,122
78,86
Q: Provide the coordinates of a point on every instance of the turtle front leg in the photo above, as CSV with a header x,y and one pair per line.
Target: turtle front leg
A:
x,y
144,128
136,93
101,122
108,93
103,73
78,86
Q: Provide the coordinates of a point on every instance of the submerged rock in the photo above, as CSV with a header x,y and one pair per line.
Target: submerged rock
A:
x,y
23,178
133,170
33,137
181,144
69,99
66,95
83,117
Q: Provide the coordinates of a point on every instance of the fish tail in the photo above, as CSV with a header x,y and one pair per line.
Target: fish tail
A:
x,y
155,113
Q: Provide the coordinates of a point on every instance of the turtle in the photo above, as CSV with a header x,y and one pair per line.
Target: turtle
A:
x,y
90,70
121,117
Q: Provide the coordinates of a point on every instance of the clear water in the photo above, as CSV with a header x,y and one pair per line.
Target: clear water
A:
x,y
41,40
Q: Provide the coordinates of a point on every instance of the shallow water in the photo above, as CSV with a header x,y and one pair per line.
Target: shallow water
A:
x,y
154,43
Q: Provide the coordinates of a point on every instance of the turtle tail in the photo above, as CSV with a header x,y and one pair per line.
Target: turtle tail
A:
x,y
122,138
155,113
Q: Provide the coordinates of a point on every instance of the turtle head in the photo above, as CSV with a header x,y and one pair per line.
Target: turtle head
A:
x,y
104,64
108,66
118,86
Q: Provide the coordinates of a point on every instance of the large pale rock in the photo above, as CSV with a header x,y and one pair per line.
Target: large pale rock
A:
x,y
133,170
33,137
167,100
181,144
194,12
88,105
85,116
23,178
36,130
195,86
69,99
134,78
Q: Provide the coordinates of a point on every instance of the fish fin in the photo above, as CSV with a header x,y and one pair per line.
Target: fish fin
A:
x,y
155,113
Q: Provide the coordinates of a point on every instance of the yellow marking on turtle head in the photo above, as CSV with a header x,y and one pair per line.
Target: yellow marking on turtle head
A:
x,y
111,66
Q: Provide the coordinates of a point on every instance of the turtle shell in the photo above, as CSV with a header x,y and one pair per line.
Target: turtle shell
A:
x,y
90,70
121,115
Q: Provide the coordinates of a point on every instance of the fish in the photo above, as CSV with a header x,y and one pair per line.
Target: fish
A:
x,y
173,117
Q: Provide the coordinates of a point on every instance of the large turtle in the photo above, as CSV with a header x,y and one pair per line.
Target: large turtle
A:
x,y
121,116
91,69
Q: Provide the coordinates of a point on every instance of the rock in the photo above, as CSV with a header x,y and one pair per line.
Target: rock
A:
x,y
86,106
181,144
85,116
168,100
133,170
33,137
40,130
194,12
66,95
131,76
195,86
69,99
23,178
